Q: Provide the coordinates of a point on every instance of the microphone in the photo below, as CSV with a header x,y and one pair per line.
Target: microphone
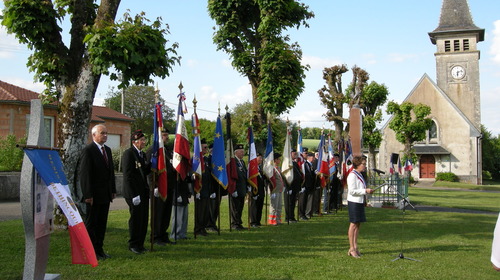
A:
x,y
378,171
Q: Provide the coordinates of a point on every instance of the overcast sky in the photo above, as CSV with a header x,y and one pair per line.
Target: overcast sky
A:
x,y
389,39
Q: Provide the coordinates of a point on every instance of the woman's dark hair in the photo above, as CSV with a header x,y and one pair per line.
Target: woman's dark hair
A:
x,y
357,161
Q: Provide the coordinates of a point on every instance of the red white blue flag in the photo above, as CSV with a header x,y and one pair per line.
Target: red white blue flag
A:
x,y
323,168
408,165
287,163
158,153
253,165
48,164
182,155
269,159
198,166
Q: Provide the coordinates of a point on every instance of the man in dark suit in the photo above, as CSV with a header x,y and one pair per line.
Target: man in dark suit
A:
x,y
136,191
310,185
239,193
163,209
97,180
293,189
202,198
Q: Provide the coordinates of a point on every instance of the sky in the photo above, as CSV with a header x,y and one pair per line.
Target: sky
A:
x,y
389,39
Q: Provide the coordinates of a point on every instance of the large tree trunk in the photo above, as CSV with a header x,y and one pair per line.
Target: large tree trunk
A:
x,y
259,117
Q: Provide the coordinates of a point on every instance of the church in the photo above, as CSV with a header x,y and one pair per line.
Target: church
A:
x,y
453,144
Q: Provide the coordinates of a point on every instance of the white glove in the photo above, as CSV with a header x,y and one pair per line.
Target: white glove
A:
x,y
157,193
249,189
212,195
302,190
235,194
179,199
273,196
290,192
136,200
198,196
255,197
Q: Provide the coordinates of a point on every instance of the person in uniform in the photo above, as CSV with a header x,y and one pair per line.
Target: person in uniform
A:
x,y
136,191
240,191
276,193
257,201
202,198
293,189
97,181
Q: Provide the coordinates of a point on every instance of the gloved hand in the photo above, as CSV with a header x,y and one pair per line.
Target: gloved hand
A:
x,y
302,190
212,195
249,189
136,200
290,192
255,197
156,192
273,196
198,196
179,199
235,194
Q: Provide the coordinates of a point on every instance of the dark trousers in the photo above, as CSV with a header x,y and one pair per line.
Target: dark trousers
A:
x,y
309,203
237,204
96,221
255,207
201,215
138,223
317,200
213,208
303,196
163,213
290,206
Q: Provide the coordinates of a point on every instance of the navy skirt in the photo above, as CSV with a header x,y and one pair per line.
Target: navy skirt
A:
x,y
356,212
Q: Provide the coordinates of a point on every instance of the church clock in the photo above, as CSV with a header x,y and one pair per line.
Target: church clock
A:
x,y
457,72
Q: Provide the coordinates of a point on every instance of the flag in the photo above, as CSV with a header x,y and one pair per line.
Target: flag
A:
x,y
253,165
331,158
231,168
408,165
269,159
400,169
287,163
182,156
391,168
49,166
218,160
198,166
322,168
300,158
158,153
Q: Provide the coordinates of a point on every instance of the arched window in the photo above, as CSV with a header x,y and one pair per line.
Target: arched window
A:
x,y
433,133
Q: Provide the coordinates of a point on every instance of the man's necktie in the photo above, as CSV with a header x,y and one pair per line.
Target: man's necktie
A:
x,y
104,155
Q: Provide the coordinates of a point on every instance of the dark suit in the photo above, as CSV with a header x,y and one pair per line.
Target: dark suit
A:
x,y
306,198
237,203
97,180
294,187
135,170
201,203
257,201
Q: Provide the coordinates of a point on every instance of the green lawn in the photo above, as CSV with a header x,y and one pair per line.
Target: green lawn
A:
x,y
449,245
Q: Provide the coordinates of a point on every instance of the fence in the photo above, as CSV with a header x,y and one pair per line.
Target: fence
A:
x,y
390,190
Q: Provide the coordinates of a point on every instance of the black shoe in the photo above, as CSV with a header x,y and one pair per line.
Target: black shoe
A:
x,y
135,250
160,243
102,256
144,250
293,221
211,229
255,226
304,218
202,233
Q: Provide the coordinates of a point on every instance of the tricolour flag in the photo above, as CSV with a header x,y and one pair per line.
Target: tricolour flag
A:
x,y
322,168
253,165
218,159
198,166
158,154
331,158
400,168
300,158
287,163
391,168
408,165
182,155
269,159
48,164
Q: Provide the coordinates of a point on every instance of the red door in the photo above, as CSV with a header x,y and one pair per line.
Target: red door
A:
x,y
427,166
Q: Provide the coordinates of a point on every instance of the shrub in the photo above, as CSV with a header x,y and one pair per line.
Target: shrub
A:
x,y
487,175
11,157
447,176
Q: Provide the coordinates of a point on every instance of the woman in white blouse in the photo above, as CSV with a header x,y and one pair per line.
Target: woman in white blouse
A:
x,y
356,200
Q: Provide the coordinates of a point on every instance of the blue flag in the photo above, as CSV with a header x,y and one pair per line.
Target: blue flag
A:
x,y
218,159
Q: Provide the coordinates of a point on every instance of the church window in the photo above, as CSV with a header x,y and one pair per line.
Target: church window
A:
x,y
447,46
433,133
466,44
456,45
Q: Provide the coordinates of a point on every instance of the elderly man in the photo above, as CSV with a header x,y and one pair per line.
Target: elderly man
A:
x,y
97,180
239,193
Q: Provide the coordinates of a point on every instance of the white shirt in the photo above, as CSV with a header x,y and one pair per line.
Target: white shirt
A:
x,y
356,188
495,247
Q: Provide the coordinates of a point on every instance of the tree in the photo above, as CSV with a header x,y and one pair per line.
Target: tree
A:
x,y
410,123
251,33
134,46
139,104
491,153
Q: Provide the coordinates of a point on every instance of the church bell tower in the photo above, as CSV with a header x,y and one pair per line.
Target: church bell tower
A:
x,y
457,57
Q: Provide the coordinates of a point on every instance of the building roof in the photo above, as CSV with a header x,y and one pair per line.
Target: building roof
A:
x,y
11,93
430,150
456,18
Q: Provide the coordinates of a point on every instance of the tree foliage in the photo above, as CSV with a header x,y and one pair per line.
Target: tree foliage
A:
x,y
491,153
251,32
139,104
410,123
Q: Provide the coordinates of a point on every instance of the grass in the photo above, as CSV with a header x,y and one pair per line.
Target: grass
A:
x,y
449,245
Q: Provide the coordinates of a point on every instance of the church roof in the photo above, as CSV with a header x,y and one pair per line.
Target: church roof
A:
x,y
456,18
430,150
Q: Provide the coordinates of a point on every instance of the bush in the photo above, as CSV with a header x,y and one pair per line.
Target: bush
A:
x,y
447,176
487,175
11,157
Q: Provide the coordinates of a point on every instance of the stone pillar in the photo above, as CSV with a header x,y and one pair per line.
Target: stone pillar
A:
x,y
35,205
355,130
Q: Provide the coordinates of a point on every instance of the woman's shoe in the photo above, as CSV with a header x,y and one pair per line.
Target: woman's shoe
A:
x,y
353,254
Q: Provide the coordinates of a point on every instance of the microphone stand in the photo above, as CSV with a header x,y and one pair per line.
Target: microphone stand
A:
x,y
405,201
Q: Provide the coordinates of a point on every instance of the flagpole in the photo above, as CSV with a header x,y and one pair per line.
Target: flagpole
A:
x,y
219,198
248,168
194,184
153,183
228,133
